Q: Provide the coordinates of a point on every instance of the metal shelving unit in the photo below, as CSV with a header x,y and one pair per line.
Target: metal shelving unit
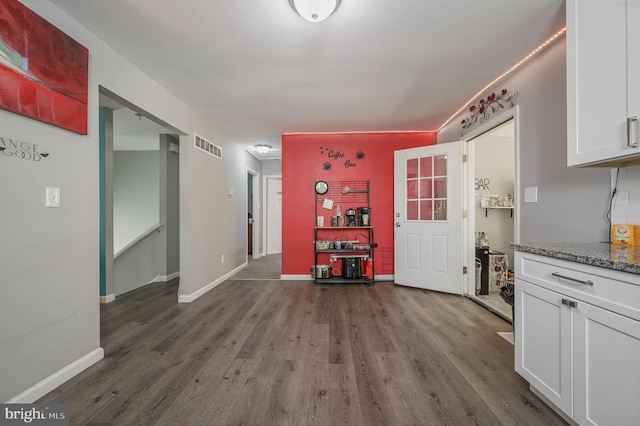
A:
x,y
359,239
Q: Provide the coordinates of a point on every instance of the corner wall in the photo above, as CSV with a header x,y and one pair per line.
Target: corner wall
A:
x,y
572,203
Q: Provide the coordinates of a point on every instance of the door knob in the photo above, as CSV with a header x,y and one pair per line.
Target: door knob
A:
x,y
397,214
397,224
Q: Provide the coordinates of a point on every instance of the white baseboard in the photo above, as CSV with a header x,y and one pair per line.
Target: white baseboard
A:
x,y
385,277
291,277
188,298
108,298
164,278
172,276
306,277
45,386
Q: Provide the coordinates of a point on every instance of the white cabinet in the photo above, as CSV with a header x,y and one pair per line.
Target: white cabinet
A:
x,y
543,343
606,351
577,338
603,82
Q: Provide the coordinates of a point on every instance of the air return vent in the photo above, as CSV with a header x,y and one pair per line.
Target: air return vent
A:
x,y
206,146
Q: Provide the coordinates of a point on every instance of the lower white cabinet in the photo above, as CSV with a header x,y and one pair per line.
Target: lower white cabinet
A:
x,y
543,347
583,358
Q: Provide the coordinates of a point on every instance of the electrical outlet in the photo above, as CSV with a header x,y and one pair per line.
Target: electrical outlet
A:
x,y
222,259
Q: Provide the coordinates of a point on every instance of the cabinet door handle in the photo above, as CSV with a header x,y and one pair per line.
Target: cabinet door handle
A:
x,y
575,280
570,303
632,142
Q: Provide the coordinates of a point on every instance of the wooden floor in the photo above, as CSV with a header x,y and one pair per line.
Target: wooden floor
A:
x,y
291,353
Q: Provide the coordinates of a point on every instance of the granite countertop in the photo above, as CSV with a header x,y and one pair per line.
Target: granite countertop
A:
x,y
605,255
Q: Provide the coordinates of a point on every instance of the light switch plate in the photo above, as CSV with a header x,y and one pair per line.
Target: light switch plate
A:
x,y
52,197
531,194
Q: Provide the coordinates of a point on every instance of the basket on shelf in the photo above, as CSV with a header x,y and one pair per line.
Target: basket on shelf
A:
x,y
322,245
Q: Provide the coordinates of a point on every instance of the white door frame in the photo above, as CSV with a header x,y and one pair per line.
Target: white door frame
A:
x,y
255,246
265,202
468,190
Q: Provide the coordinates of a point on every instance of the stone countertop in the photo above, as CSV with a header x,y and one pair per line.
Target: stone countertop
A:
x,y
605,255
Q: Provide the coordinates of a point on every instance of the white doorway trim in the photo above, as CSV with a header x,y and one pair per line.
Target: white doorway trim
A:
x,y
468,192
265,201
255,246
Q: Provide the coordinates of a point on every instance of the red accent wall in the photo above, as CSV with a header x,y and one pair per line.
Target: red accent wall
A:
x,y
309,158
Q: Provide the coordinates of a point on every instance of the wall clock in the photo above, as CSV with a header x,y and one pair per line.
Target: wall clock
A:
x,y
321,187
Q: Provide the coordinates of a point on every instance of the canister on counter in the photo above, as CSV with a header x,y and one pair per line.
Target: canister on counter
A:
x,y
622,234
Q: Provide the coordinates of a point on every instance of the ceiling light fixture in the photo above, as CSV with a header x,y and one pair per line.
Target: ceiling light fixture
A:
x,y
314,10
262,148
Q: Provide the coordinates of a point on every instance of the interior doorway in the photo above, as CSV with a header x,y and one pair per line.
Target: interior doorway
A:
x,y
252,215
139,198
273,215
493,213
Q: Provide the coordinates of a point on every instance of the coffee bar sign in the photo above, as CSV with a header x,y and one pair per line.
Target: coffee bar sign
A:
x,y
21,150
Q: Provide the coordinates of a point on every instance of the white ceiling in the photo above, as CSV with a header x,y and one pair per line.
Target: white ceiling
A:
x,y
257,70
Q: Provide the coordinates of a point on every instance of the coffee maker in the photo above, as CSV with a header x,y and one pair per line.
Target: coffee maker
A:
x,y
351,217
352,268
364,216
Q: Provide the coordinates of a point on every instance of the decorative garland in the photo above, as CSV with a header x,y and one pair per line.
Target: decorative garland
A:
x,y
482,111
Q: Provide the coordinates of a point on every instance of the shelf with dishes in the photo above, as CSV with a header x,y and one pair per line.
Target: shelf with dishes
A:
x,y
505,201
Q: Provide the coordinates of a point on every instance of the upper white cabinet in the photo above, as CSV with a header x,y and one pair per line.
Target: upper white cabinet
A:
x,y
603,82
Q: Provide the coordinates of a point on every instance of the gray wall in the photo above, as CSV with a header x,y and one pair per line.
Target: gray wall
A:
x,y
170,203
272,167
49,258
139,265
136,195
139,173
572,203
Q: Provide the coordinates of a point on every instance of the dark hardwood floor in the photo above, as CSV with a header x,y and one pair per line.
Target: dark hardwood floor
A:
x,y
291,353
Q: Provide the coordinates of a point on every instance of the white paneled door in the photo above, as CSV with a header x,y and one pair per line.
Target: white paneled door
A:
x,y
428,217
274,215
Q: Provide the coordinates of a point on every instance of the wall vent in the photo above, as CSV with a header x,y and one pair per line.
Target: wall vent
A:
x,y
206,146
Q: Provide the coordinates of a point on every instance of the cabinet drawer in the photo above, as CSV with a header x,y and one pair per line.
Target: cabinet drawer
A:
x,y
612,290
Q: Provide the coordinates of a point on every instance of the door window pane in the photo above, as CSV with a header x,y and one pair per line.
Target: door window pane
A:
x,y
440,165
426,188
440,187
440,210
412,189
412,168
426,210
412,210
426,185
426,168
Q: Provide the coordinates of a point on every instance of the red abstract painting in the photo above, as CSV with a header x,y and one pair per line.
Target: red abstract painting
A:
x,y
43,72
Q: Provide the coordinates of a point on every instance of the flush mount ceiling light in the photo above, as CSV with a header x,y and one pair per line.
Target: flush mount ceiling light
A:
x,y
314,10
262,148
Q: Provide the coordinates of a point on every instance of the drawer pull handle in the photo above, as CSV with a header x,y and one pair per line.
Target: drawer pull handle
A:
x,y
575,280
570,303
